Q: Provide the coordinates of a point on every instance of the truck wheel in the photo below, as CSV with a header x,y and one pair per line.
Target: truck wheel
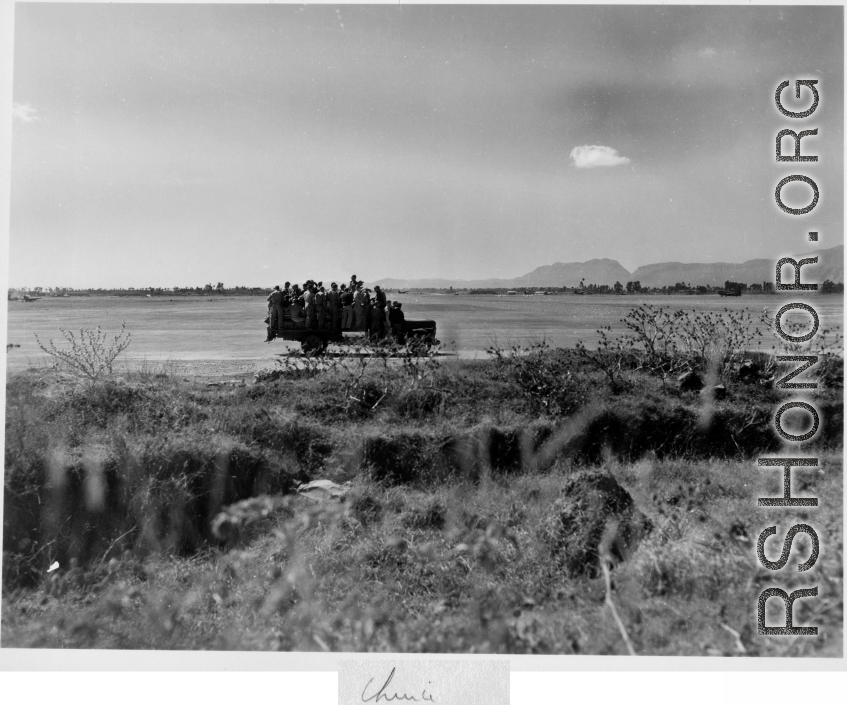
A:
x,y
312,344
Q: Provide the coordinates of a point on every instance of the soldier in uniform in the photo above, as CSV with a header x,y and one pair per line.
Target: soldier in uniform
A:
x,y
309,303
358,307
274,311
297,306
397,319
346,308
367,305
320,307
333,302
380,303
386,319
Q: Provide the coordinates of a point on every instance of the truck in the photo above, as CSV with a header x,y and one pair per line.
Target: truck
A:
x,y
312,340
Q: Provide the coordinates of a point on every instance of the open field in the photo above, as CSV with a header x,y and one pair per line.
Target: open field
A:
x,y
229,330
483,500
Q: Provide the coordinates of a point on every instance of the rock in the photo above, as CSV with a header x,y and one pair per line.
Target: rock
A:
x,y
592,503
321,490
717,392
690,382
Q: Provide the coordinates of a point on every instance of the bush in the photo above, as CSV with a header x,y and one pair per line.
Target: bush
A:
x,y
145,407
665,343
550,378
592,509
365,397
89,356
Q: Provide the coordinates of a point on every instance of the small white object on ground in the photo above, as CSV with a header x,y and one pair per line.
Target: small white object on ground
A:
x,y
53,567
323,489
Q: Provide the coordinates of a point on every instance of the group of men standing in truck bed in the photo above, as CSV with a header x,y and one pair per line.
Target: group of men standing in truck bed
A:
x,y
351,307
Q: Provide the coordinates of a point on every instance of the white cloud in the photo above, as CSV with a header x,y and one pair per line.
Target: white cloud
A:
x,y
24,112
707,53
588,156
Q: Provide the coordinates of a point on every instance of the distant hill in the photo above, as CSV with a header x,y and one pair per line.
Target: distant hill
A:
x,y
595,271
609,271
830,266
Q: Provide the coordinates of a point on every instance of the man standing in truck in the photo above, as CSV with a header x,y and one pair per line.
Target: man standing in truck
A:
x,y
380,302
320,307
397,318
275,307
333,305
309,303
358,307
346,308
274,312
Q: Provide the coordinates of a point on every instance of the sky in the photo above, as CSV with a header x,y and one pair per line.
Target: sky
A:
x,y
175,145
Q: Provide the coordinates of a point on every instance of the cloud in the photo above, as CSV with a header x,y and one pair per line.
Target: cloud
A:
x,y
24,112
707,53
588,156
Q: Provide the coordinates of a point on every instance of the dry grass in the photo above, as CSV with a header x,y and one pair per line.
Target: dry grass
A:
x,y
459,568
443,543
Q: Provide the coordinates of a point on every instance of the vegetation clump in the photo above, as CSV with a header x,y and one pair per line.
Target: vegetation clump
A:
x,y
90,355
593,508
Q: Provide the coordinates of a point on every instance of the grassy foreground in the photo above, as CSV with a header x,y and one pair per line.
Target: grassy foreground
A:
x,y
451,537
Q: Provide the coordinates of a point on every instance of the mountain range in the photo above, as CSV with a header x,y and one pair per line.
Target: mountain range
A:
x,y
608,271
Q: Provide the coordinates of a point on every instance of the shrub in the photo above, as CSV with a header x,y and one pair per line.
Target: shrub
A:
x,y
664,343
548,377
90,355
592,504
611,356
365,397
145,407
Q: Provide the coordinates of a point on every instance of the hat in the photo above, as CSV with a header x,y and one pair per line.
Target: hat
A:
x,y
376,287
